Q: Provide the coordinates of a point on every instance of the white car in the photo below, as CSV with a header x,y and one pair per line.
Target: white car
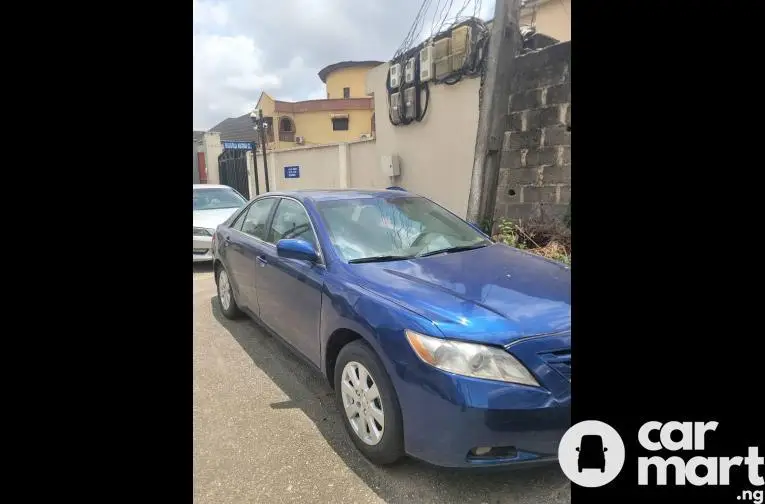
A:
x,y
213,204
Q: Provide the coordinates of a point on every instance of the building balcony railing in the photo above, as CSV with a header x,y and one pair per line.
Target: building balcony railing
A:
x,y
286,136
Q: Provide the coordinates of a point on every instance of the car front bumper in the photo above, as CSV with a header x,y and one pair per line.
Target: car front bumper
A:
x,y
203,248
446,417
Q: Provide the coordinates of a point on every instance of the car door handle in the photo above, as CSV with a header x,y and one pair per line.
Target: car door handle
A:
x,y
262,261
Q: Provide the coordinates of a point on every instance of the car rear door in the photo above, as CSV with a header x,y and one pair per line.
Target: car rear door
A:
x,y
241,249
289,290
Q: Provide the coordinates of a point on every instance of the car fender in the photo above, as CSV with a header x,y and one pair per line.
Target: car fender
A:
x,y
379,321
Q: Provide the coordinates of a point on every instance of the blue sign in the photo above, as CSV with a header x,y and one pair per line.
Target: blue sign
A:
x,y
291,172
238,145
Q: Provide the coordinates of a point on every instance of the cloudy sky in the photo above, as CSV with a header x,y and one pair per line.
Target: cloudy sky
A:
x,y
243,47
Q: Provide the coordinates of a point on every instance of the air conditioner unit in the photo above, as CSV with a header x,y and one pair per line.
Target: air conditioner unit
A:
x,y
395,75
365,136
441,58
409,71
460,47
426,63
299,140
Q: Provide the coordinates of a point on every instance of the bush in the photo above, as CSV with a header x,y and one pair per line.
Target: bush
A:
x,y
549,238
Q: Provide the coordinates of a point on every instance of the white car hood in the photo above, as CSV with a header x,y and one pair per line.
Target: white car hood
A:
x,y
210,219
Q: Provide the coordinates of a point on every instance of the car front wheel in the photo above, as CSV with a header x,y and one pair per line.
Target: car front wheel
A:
x,y
368,404
226,295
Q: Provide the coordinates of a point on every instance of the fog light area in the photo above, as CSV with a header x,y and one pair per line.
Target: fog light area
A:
x,y
488,452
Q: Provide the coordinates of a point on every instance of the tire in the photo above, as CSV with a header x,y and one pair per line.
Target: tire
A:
x,y
230,310
389,447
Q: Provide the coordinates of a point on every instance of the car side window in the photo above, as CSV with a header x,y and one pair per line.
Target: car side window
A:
x,y
291,221
237,223
254,223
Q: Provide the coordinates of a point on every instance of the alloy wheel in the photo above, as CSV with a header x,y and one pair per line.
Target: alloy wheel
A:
x,y
362,403
224,290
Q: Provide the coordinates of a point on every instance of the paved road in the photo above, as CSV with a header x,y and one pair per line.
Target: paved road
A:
x,y
266,430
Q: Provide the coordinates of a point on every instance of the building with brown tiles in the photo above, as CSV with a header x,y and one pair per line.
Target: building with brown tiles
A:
x,y
346,114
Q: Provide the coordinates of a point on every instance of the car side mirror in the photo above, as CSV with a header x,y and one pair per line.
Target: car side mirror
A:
x,y
605,449
296,249
577,448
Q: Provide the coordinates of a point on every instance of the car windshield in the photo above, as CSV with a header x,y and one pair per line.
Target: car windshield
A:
x,y
217,197
376,228
592,443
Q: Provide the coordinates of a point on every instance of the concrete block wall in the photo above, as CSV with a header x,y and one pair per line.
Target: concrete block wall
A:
x,y
535,164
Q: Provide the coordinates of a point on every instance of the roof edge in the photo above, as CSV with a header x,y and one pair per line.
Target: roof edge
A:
x,y
324,72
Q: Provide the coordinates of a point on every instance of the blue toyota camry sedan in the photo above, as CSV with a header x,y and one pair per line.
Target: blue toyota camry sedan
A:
x,y
438,343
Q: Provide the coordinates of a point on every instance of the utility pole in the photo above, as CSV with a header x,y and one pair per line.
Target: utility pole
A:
x,y
262,129
260,126
255,169
504,45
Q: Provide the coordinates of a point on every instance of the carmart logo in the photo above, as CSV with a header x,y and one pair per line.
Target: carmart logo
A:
x,y
692,437
591,454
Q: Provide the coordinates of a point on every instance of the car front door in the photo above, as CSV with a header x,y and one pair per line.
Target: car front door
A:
x,y
289,290
241,247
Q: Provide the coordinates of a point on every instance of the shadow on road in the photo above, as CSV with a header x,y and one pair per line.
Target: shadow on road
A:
x,y
408,481
203,267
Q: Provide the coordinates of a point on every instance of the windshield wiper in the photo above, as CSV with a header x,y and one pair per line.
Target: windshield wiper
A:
x,y
454,249
380,258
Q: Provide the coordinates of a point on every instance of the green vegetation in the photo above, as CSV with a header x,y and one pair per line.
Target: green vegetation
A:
x,y
548,238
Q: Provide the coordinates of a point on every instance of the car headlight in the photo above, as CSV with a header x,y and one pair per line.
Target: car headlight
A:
x,y
198,231
470,359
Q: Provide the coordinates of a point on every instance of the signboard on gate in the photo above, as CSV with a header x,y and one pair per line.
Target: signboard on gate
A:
x,y
238,145
292,172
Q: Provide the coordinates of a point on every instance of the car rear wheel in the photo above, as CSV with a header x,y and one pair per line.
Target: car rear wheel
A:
x,y
226,295
368,404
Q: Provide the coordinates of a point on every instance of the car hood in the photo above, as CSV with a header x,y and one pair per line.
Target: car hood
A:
x,y
496,294
210,219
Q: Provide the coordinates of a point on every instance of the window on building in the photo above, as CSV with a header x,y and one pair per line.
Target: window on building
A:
x,y
346,92
286,130
340,123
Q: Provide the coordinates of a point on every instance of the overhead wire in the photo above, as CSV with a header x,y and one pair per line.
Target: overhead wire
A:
x,y
437,15
473,65
458,17
444,17
414,30
400,57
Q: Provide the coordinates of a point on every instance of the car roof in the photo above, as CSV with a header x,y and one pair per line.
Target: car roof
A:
x,y
211,186
340,194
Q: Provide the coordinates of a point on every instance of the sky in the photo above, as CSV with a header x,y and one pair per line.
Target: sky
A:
x,y
243,47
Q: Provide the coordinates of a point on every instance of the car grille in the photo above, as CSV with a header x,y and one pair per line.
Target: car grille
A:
x,y
559,360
